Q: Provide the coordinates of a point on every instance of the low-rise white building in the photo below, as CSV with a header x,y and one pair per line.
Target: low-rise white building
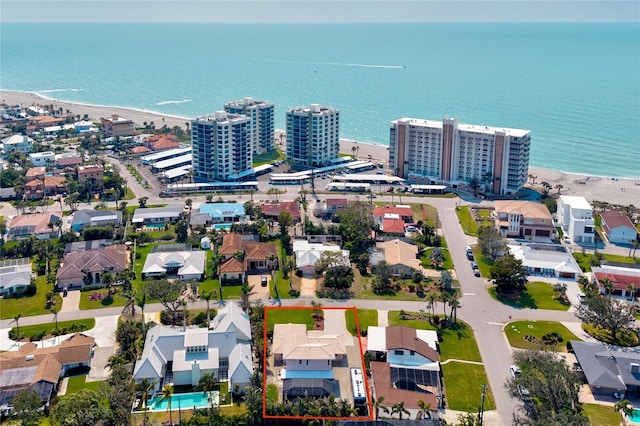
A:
x,y
20,143
187,265
42,159
547,260
575,216
308,254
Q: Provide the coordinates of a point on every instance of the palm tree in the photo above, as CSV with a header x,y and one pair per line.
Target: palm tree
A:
x,y
377,406
625,408
608,286
424,411
16,319
141,301
632,290
207,296
432,298
55,311
399,409
454,304
166,394
207,383
144,387
130,302
246,291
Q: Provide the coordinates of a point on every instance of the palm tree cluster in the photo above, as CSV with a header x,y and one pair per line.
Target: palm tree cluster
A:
x,y
313,407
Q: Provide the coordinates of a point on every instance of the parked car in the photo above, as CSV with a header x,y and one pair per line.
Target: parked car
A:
x,y
582,298
263,281
476,272
474,266
515,372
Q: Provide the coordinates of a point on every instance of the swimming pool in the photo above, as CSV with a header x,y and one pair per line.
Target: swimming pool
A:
x,y
222,226
635,416
155,225
184,401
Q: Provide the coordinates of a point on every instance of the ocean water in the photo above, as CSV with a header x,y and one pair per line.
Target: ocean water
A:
x,y
576,86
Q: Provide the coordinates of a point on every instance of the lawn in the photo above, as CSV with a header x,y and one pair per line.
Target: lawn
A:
x,y
130,195
456,342
361,289
584,260
272,393
268,157
105,302
77,383
467,221
426,213
47,329
283,284
625,337
601,415
517,331
366,317
463,387
285,316
484,264
539,295
29,305
447,264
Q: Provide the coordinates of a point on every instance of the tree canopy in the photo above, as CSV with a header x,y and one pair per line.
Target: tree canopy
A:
x,y
82,408
167,293
509,275
610,314
491,242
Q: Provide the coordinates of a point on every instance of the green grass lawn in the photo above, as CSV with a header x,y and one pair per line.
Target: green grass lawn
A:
x,y
447,264
282,283
285,316
624,337
47,329
272,393
539,295
601,415
130,195
584,260
517,330
467,221
29,305
426,213
457,342
115,300
463,387
268,157
77,383
366,317
484,264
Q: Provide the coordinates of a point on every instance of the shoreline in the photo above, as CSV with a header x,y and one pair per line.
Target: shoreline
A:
x,y
613,189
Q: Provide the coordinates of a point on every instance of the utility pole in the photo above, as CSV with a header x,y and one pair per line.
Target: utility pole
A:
x,y
481,413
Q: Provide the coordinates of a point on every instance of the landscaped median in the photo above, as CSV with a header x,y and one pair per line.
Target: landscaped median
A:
x,y
40,331
462,369
536,335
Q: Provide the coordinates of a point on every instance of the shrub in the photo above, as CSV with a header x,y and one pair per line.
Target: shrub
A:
x,y
201,318
92,287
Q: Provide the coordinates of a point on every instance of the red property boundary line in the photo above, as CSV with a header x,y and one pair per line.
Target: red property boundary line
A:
x,y
264,368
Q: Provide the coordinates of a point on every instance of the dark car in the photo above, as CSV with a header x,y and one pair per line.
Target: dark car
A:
x,y
476,272
263,281
474,265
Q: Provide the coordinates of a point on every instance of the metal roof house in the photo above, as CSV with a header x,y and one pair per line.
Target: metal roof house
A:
x,y
187,265
86,218
181,357
146,216
15,276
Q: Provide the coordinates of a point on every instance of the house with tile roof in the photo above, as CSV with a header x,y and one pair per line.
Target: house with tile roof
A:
x,y
626,281
185,265
618,228
401,257
87,267
271,210
67,160
307,358
393,219
405,365
90,172
162,142
37,224
241,254
40,369
180,357
523,219
117,126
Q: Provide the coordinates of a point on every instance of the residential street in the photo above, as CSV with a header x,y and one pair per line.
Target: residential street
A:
x,y
485,315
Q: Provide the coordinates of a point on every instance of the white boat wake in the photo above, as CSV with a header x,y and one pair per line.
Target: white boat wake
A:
x,y
184,101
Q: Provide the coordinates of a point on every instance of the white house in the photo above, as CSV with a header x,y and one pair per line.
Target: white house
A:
x,y
307,254
18,143
575,216
547,260
181,357
155,215
187,265
42,159
15,276
618,227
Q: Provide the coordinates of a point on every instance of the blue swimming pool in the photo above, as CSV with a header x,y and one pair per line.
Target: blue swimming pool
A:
x,y
635,416
156,225
222,226
183,400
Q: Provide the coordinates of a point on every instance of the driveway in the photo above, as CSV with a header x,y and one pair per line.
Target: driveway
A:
x,y
259,292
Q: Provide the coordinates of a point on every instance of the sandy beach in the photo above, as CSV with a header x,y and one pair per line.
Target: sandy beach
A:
x,y
610,189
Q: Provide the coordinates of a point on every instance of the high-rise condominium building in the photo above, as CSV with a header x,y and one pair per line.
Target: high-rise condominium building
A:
x,y
261,116
313,135
428,151
221,145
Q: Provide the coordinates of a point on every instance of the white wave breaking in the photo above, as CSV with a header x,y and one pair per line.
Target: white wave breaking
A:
x,y
347,64
58,90
184,101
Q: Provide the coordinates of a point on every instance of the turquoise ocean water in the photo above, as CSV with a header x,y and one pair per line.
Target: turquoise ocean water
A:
x,y
576,86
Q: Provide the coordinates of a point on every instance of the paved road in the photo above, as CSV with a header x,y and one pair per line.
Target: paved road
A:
x,y
485,315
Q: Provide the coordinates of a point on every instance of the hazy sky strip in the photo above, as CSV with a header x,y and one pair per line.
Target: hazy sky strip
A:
x,y
308,11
